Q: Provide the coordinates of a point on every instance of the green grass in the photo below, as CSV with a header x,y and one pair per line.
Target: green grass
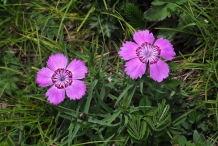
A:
x,y
116,110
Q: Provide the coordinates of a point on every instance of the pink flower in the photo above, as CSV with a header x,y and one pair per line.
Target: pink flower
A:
x,y
146,51
62,78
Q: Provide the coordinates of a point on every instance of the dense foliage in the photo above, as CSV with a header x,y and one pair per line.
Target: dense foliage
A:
x,y
116,110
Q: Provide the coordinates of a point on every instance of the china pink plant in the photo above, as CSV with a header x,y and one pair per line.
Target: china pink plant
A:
x,y
145,51
62,78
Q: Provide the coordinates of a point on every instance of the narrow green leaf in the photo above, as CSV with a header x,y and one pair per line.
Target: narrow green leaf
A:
x,y
10,141
111,118
89,98
101,122
122,94
73,132
129,98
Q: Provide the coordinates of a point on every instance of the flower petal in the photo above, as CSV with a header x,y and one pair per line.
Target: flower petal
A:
x,y
128,51
43,77
55,95
167,51
57,61
159,70
135,68
77,90
78,69
142,36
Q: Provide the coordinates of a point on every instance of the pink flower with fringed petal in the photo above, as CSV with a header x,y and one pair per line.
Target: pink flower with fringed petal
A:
x,y
62,78
146,51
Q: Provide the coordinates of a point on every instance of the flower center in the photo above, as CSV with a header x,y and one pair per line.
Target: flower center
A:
x,y
148,53
62,78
